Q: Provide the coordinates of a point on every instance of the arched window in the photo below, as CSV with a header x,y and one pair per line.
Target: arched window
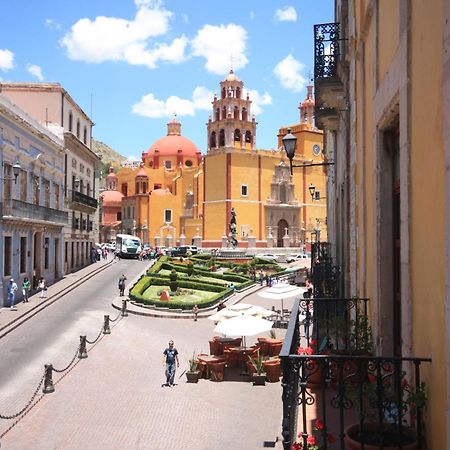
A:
x,y
78,129
212,140
222,138
70,121
236,113
237,135
217,114
244,114
224,112
238,92
248,136
224,93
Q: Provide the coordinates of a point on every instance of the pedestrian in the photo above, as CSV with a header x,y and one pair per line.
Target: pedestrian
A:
x,y
12,288
93,255
261,277
42,287
195,311
220,306
26,286
232,287
170,358
122,280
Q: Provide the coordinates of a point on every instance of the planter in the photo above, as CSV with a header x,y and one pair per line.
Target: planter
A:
x,y
389,438
258,379
273,370
192,377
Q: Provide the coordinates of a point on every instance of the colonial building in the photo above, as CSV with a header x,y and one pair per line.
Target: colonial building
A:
x,y
52,106
32,201
383,94
179,196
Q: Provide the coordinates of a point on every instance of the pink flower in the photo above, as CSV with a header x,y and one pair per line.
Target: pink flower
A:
x,y
319,425
311,440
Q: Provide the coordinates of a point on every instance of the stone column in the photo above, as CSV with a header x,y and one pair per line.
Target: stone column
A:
x,y
197,238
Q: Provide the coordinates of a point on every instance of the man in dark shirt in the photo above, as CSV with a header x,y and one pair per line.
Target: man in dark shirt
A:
x,y
170,358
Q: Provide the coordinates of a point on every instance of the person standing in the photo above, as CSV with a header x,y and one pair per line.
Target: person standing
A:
x,y
26,286
12,288
170,358
195,312
122,280
41,287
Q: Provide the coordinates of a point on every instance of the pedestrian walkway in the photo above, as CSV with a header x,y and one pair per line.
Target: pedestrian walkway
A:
x,y
11,319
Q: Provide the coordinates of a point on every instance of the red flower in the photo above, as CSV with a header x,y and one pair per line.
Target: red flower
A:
x,y
405,383
313,342
319,425
311,440
296,446
304,351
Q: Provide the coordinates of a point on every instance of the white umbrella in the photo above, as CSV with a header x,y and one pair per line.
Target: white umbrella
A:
x,y
259,311
239,307
243,325
224,313
282,291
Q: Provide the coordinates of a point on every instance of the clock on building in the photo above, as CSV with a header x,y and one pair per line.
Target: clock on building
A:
x,y
316,150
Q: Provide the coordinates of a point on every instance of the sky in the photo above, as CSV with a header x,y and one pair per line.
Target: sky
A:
x,y
132,64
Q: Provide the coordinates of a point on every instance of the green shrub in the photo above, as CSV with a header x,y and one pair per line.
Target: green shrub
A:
x,y
173,281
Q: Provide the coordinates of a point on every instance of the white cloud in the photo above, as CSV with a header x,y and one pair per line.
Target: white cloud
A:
x,y
36,71
252,15
6,59
258,100
286,14
222,46
116,39
150,106
52,24
289,72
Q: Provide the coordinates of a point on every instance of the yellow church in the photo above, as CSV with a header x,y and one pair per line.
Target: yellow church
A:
x,y
181,196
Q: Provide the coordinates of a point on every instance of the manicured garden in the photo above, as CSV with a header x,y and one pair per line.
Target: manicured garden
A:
x,y
202,279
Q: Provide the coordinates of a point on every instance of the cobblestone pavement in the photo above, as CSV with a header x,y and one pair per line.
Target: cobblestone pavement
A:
x,y
114,399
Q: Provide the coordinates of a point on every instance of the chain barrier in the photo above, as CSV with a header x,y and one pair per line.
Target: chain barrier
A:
x,y
71,362
96,339
117,317
14,416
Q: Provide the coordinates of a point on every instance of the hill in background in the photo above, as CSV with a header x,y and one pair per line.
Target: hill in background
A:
x,y
109,158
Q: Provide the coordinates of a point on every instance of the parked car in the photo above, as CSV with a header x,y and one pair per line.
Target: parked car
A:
x,y
298,257
270,256
183,250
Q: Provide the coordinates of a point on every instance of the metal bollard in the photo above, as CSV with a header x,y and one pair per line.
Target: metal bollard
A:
x,y
48,381
106,329
82,353
124,308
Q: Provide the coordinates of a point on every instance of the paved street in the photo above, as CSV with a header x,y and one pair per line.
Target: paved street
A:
x,y
114,399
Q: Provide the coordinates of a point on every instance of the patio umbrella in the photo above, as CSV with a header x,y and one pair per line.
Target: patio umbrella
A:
x,y
282,291
243,325
252,310
239,307
259,311
225,313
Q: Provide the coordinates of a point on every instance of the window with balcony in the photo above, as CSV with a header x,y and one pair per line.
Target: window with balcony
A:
x,y
23,185
23,254
36,190
7,256
46,187
56,191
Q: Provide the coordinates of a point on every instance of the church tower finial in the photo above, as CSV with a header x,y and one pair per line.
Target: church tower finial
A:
x,y
174,127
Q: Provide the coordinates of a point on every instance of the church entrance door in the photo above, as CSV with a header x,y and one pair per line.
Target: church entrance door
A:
x,y
282,225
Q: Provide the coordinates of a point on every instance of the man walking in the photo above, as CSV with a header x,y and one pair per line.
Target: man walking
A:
x,y
170,358
122,280
12,288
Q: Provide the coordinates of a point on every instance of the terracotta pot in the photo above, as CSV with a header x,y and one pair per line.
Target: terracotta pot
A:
x,y
273,370
258,379
352,434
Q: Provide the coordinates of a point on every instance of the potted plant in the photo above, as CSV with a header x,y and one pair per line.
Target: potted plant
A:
x,y
193,373
392,399
259,376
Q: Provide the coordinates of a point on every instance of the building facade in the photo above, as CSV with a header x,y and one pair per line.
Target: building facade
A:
x,y
382,97
32,209
52,106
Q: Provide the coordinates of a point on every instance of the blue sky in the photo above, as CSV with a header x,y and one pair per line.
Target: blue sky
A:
x,y
132,64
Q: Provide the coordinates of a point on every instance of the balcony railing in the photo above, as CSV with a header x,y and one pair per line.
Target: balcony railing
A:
x,y
326,49
24,210
328,397
325,275
84,199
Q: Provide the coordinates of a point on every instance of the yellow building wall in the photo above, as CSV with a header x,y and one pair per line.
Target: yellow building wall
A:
x,y
388,34
427,211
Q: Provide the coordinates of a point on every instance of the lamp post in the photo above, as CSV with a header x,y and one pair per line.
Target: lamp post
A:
x,y
289,144
16,171
312,191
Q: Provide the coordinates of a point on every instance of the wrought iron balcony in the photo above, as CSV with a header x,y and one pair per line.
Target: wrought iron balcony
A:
x,y
84,199
328,398
325,275
29,211
326,49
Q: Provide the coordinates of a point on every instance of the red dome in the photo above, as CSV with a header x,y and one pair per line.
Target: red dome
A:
x,y
141,173
111,197
169,146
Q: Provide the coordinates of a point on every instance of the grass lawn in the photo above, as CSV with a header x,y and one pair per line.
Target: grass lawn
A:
x,y
196,297
196,277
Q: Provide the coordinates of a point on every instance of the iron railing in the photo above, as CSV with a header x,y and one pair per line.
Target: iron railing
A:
x,y
84,199
330,397
326,49
24,210
324,274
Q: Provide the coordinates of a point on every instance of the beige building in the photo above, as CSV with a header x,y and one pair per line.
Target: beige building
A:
x,y
52,106
382,84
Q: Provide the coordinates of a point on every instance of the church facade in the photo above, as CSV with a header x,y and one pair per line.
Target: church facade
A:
x,y
181,196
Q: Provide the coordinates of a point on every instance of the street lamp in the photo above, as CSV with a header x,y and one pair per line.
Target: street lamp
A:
x,y
76,183
312,191
289,143
16,171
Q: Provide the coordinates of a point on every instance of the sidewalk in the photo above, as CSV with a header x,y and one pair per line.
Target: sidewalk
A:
x,y
10,319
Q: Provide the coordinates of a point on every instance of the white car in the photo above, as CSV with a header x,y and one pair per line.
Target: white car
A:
x,y
270,256
298,257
